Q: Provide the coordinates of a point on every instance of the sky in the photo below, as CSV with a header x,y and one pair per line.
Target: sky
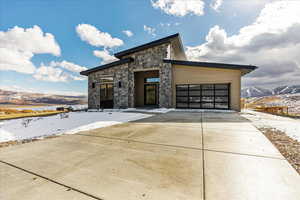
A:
x,y
45,44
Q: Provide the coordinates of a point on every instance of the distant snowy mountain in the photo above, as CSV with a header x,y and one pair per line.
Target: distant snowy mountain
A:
x,y
287,89
27,98
261,92
255,92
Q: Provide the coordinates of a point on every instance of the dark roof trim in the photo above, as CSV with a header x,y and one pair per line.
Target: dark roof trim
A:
x,y
118,62
145,46
245,68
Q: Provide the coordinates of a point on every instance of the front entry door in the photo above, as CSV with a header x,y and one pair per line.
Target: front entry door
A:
x,y
106,95
150,94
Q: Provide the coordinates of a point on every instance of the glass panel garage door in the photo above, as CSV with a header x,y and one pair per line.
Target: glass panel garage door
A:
x,y
206,96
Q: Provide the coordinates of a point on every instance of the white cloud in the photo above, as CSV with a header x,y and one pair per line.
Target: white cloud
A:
x,y
248,6
16,61
271,42
150,30
180,7
29,40
165,24
128,33
216,4
16,88
169,24
19,45
54,74
68,65
95,37
105,56
78,78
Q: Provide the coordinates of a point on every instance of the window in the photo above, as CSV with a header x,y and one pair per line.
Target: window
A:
x,y
152,80
93,85
106,79
206,96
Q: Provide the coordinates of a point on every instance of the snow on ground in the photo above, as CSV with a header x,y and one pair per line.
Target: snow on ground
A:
x,y
144,110
204,110
39,127
159,110
41,108
154,110
285,124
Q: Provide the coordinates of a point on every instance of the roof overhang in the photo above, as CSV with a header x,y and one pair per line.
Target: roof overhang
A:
x,y
245,69
168,39
116,63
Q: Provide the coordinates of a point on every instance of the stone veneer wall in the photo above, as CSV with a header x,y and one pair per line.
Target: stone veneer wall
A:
x,y
148,59
152,59
119,73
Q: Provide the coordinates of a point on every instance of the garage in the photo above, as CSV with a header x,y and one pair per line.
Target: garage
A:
x,y
203,96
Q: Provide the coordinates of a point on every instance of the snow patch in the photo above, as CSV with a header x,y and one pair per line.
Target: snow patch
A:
x,y
70,123
159,110
287,87
204,110
254,88
154,110
41,108
263,120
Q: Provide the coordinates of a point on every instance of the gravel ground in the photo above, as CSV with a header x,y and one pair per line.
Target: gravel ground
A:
x,y
287,146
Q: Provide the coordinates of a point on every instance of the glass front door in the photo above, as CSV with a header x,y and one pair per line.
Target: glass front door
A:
x,y
151,94
106,95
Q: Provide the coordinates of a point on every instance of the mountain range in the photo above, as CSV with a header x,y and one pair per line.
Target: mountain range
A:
x,y
27,98
261,92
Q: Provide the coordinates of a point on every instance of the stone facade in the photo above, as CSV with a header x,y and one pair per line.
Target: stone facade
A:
x,y
119,73
124,96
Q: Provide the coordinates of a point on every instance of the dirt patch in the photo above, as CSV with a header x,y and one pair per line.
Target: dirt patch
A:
x,y
17,142
287,146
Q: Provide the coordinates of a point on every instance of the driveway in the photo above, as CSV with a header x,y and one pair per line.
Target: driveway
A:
x,y
170,156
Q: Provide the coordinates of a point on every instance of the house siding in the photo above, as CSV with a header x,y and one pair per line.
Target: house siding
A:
x,y
202,75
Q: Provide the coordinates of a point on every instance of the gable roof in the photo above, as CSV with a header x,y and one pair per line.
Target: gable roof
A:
x,y
149,45
244,68
118,62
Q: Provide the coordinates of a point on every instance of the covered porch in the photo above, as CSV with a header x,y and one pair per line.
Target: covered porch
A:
x,y
146,90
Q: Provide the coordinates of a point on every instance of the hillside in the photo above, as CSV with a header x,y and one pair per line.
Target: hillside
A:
x,y
292,101
27,98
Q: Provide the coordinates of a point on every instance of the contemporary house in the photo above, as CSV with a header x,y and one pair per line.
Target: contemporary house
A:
x,y
159,74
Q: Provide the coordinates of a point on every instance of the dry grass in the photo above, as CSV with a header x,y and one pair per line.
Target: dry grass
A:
x,y
6,113
271,105
287,146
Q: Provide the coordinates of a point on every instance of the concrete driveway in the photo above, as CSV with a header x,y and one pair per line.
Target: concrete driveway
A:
x,y
169,156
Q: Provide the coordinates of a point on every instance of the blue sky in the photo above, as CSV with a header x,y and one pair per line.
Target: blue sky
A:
x,y
203,28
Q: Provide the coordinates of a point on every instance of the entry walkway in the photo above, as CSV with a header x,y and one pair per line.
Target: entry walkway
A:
x,y
176,155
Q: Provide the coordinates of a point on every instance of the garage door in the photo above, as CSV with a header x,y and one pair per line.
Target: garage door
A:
x,y
205,96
